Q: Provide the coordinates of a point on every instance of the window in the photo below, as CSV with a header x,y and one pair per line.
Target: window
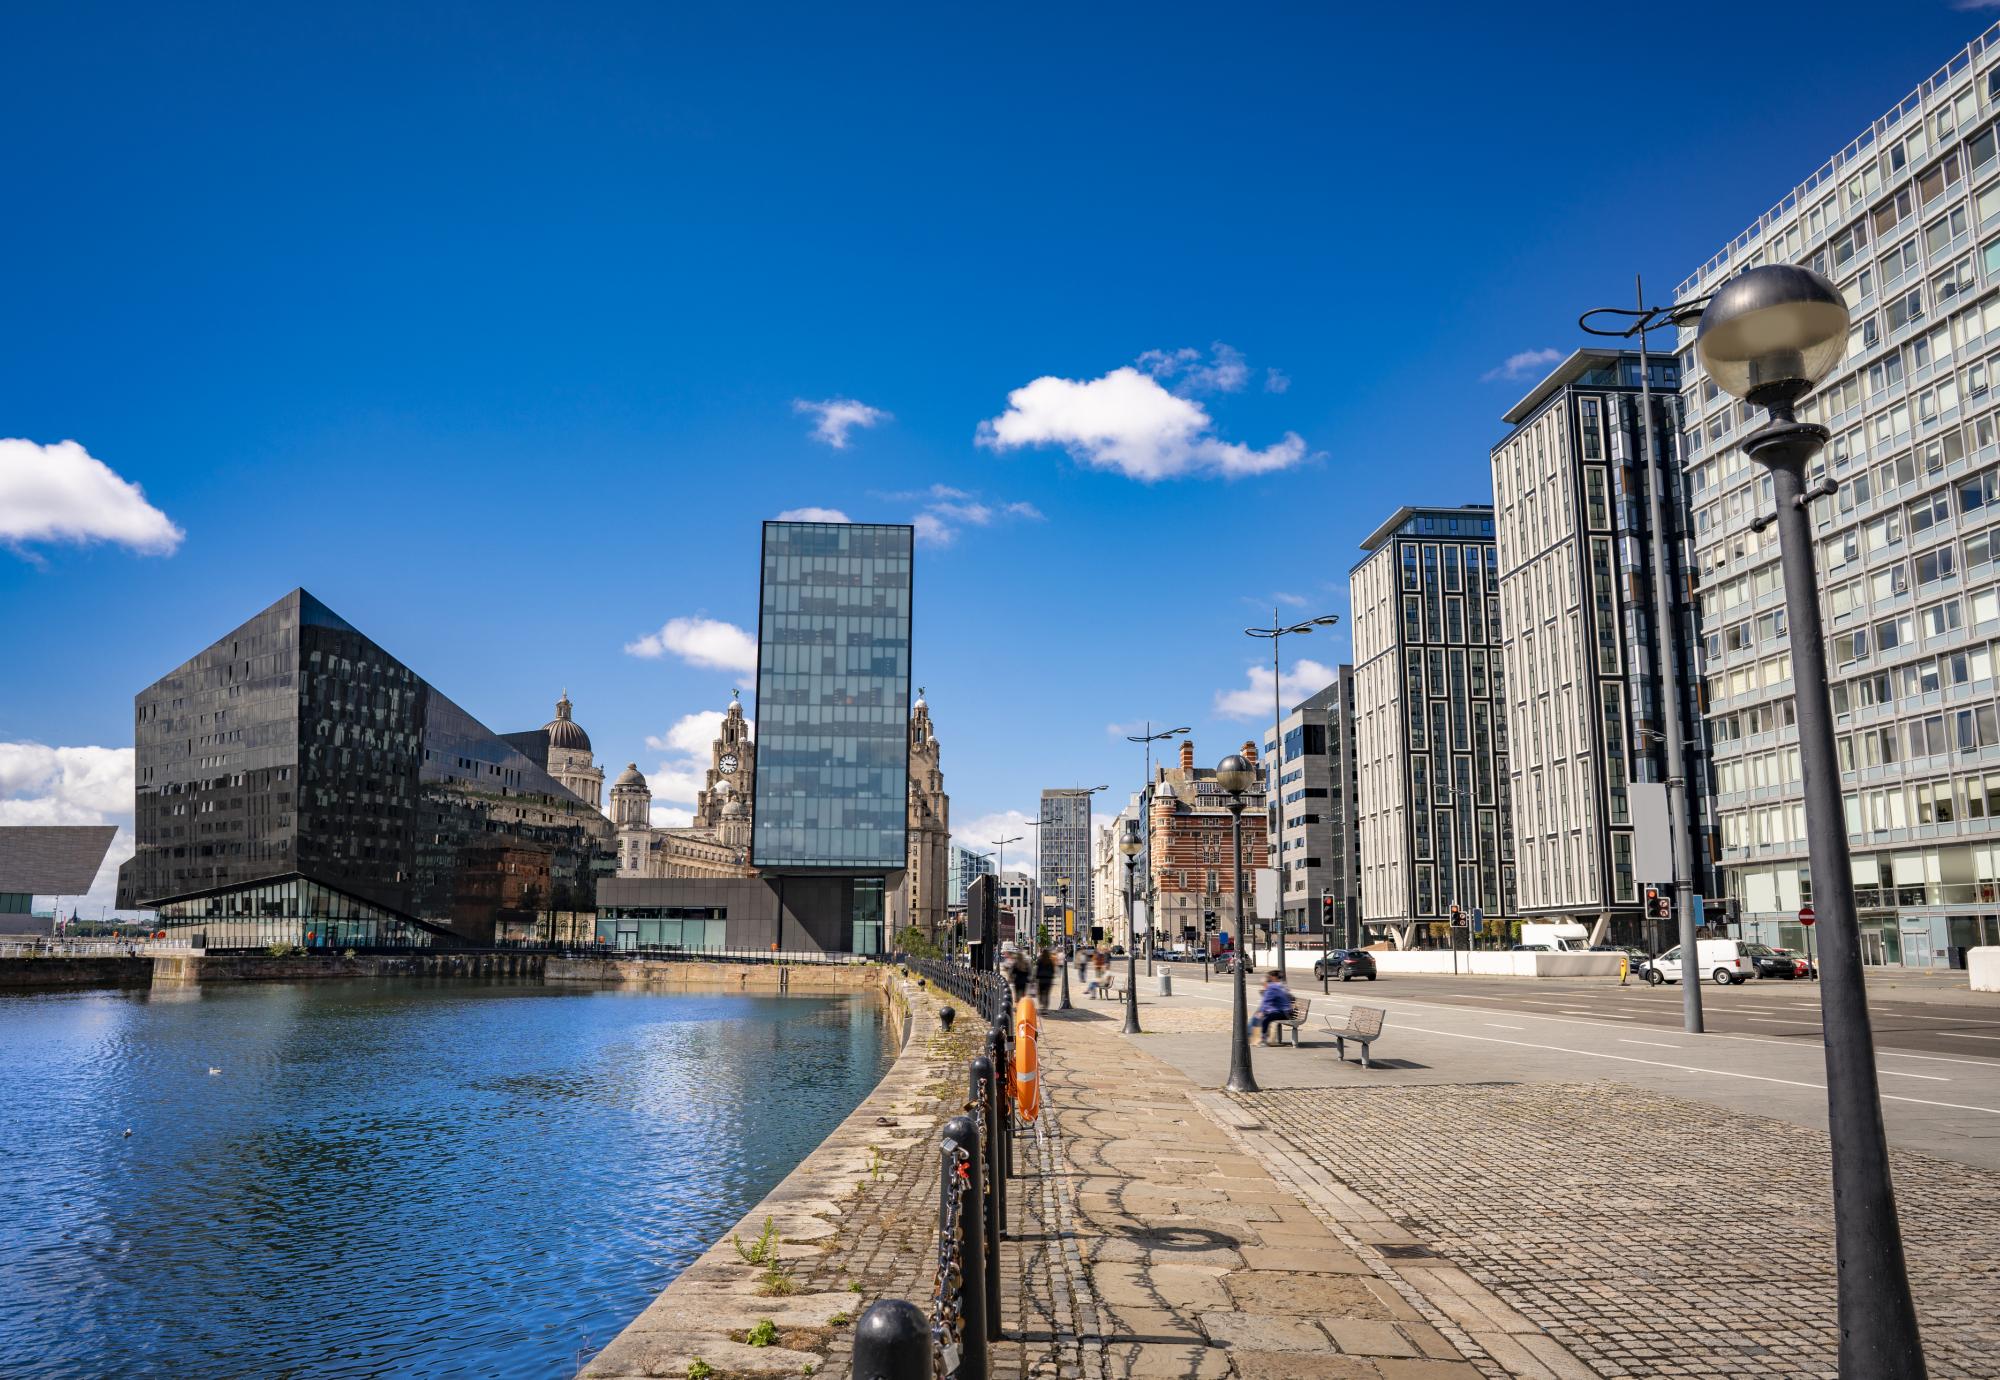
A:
x,y
1979,491
1929,511
1905,309
1940,564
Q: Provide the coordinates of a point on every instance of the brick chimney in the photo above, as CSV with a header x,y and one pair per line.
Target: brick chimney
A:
x,y
1250,753
1187,754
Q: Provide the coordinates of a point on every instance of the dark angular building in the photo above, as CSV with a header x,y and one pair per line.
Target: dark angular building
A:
x,y
297,784
47,860
833,711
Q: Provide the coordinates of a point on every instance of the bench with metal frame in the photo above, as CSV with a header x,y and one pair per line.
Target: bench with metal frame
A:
x,y
1300,1010
1362,1024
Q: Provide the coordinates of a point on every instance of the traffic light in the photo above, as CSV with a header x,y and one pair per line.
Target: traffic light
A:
x,y
1732,911
1659,906
1326,910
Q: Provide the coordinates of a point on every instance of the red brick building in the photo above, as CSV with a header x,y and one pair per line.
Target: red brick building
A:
x,y
1193,872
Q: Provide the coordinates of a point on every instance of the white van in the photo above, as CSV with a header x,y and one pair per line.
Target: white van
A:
x,y
1721,960
1561,937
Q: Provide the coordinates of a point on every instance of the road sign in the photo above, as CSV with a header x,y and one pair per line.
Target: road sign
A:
x,y
1805,915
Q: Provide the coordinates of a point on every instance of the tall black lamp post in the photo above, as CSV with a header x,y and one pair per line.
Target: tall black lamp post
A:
x,y
1131,845
1275,632
1066,947
1768,336
1237,776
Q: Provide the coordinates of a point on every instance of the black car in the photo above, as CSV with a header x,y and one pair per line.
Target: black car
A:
x,y
1345,964
1776,963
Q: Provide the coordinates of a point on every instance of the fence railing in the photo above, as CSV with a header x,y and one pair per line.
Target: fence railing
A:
x,y
897,1340
91,948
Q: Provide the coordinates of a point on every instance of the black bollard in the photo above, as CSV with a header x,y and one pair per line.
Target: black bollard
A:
x,y
961,1137
981,1098
946,1016
892,1342
998,1050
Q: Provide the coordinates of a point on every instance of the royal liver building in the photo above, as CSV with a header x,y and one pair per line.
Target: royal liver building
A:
x,y
1904,219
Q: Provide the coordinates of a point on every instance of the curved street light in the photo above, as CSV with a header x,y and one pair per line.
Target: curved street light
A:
x,y
1769,336
1148,738
1277,632
1131,845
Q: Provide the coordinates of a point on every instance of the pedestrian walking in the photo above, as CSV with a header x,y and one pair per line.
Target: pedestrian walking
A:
x,y
1045,974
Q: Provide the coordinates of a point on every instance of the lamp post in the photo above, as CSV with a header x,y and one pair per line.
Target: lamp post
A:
x,y
1680,840
1000,880
1275,632
1236,776
1147,739
1768,336
1131,845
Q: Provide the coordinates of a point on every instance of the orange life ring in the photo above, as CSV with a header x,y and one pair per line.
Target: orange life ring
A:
x,y
1027,1066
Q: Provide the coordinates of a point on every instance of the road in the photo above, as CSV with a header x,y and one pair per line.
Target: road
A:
x,y
1939,1061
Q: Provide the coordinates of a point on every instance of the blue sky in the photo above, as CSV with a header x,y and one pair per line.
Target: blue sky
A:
x,y
491,324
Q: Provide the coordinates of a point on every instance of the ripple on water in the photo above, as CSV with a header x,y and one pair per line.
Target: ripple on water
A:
x,y
388,1178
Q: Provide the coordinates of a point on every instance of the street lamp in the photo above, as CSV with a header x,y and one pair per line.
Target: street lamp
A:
x,y
1062,919
1131,845
1635,325
1768,336
1236,776
1276,632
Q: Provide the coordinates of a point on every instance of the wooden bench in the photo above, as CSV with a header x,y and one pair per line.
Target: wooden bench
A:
x,y
1300,1010
1362,1024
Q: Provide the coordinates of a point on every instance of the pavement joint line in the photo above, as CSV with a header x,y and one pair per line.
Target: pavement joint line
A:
x,y
1290,1165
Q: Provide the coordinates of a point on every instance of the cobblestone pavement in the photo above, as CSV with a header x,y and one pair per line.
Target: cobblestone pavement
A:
x,y
1653,1236
1152,1243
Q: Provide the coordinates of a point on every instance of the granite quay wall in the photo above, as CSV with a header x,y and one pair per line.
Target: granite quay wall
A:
x,y
855,1222
28,974
192,969
752,977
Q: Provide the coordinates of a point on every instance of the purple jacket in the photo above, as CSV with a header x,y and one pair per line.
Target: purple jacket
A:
x,y
1277,1001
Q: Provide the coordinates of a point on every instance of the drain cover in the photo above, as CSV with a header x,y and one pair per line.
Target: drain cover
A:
x,y
1407,1252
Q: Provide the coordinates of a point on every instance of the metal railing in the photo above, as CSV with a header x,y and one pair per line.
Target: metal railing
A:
x,y
897,1340
92,948
986,993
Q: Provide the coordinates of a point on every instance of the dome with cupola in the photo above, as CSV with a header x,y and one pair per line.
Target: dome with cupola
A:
x,y
565,732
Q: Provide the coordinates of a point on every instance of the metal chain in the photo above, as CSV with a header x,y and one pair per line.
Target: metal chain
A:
x,y
948,1287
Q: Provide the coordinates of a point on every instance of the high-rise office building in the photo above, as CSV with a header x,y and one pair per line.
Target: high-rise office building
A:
x,y
297,784
1065,852
1430,727
1907,547
1585,698
833,719
1318,845
965,865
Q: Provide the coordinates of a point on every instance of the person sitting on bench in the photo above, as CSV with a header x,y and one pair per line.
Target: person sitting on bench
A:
x,y
1275,1006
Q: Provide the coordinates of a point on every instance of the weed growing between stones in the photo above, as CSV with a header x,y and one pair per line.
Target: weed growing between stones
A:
x,y
761,1251
763,1334
699,1369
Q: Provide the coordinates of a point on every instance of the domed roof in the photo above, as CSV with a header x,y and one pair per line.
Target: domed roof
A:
x,y
565,732
735,809
629,777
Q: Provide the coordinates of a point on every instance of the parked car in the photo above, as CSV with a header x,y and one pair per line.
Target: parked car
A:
x,y
1775,963
1345,964
1533,949
1722,960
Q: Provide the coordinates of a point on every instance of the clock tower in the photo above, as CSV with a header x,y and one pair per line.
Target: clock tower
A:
x,y
732,762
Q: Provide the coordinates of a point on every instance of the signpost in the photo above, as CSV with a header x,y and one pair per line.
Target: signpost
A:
x,y
1806,918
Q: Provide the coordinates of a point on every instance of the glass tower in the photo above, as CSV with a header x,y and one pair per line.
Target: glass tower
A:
x,y
833,707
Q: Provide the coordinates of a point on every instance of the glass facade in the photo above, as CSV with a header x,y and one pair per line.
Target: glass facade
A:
x,y
1065,852
833,700
663,927
295,770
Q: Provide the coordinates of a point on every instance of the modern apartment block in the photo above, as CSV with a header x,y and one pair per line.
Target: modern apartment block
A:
x,y
1318,850
1065,851
1902,219
1430,727
1584,701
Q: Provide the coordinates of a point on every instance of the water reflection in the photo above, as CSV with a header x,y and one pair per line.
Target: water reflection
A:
x,y
397,1178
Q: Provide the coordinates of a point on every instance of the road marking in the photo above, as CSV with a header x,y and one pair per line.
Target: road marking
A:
x,y
1954,1035
1898,1073
1497,1026
1689,1068
1657,1044
1782,1020
1606,1015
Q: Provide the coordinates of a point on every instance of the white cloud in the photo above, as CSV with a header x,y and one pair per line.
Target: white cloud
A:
x,y
1127,422
670,817
813,515
72,785
62,493
1253,701
1224,371
688,745
933,531
1276,381
838,417
978,835
1524,365
699,641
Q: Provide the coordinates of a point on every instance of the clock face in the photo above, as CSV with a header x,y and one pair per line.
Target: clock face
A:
x,y
728,762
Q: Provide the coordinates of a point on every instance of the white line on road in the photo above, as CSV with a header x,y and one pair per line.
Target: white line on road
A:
x,y
1656,1044
1954,1035
1497,1026
1782,1020
1928,1077
1687,1068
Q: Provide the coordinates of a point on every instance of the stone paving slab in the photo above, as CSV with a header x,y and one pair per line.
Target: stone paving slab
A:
x,y
1647,1235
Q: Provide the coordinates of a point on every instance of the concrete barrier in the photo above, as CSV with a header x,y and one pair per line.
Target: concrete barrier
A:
x,y
1497,963
1983,965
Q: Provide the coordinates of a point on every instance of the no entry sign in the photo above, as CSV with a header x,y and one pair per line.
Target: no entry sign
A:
x,y
1805,915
